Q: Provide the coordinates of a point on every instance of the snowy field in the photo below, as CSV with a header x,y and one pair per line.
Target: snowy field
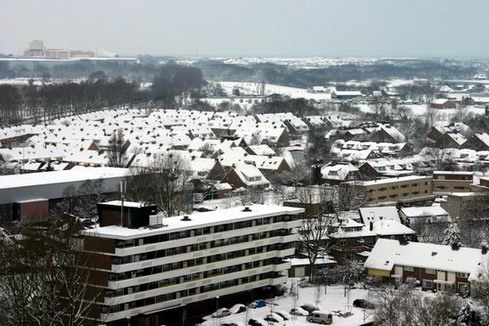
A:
x,y
293,92
333,301
421,110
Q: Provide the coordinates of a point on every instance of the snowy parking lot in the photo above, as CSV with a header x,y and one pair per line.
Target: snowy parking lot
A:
x,y
333,301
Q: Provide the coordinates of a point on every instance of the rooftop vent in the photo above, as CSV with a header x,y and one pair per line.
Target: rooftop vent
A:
x,y
186,218
434,253
246,209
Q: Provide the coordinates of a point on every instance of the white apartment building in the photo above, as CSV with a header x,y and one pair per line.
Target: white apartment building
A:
x,y
188,259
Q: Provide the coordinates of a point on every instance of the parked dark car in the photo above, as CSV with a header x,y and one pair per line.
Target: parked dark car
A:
x,y
258,304
309,307
362,303
254,322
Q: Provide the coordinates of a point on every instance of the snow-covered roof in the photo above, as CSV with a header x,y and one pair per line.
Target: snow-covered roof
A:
x,y
457,137
223,186
388,253
338,171
439,101
391,180
197,219
374,214
54,177
483,137
423,211
261,149
305,261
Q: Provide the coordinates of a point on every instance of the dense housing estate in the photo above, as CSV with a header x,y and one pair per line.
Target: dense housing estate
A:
x,y
178,261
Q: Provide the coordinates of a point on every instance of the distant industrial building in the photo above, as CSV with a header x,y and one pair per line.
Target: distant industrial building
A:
x,y
38,50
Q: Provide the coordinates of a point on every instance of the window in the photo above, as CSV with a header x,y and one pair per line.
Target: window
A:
x,y
430,271
408,269
427,284
462,275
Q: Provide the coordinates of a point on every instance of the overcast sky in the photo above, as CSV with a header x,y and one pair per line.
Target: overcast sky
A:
x,y
444,28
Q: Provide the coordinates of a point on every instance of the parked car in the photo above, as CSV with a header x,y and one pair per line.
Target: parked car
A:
x,y
273,317
258,304
320,317
283,314
237,308
309,307
362,303
298,312
257,322
223,312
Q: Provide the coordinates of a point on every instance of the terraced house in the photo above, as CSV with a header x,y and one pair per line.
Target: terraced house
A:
x,y
395,190
186,264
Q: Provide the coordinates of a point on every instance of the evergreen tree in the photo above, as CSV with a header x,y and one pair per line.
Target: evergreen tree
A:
x,y
452,236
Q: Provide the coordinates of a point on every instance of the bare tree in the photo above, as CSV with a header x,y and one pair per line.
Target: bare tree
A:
x,y
165,183
439,157
431,115
81,201
116,150
251,195
43,279
314,229
405,306
351,196
473,221
480,287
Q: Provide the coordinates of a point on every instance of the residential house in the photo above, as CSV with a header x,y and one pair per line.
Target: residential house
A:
x,y
478,142
246,176
352,240
450,140
436,267
442,103
420,215
336,173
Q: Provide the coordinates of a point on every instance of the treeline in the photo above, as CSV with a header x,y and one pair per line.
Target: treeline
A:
x,y
78,69
37,103
299,106
31,103
296,77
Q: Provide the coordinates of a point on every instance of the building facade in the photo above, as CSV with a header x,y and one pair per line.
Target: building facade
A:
x,y
187,260
452,181
436,267
395,190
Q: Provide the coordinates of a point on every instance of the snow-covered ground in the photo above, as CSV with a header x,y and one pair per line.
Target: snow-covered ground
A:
x,y
253,89
333,301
